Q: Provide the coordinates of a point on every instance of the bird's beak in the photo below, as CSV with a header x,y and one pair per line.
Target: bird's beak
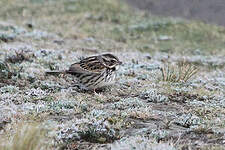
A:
x,y
120,62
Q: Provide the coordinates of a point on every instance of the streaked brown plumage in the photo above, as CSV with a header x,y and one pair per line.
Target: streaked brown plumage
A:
x,y
94,72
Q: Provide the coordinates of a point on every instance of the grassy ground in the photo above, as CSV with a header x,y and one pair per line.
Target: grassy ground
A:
x,y
153,105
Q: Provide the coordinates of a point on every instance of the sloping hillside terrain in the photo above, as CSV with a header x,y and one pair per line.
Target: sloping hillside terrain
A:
x,y
207,10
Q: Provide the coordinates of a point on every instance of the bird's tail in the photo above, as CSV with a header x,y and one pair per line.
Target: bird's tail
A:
x,y
55,72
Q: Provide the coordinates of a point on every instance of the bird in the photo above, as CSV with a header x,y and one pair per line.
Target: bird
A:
x,y
94,72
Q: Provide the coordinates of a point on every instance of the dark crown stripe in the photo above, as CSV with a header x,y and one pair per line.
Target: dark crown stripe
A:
x,y
89,60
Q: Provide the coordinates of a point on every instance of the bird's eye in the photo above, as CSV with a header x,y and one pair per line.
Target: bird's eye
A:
x,y
113,61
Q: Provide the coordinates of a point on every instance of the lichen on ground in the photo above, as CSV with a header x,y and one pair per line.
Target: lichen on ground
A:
x,y
143,110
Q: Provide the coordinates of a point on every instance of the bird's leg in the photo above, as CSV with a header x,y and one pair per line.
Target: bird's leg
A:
x,y
95,92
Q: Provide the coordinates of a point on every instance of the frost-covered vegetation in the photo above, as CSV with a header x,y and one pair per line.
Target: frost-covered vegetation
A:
x,y
158,101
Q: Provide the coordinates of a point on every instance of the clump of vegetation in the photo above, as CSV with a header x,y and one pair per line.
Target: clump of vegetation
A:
x,y
140,142
183,97
178,73
5,72
9,73
153,26
99,134
26,137
6,37
153,96
20,56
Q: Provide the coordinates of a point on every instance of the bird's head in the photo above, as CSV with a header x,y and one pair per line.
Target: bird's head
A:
x,y
110,61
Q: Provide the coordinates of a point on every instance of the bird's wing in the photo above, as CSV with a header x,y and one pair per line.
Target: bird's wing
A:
x,y
92,64
83,68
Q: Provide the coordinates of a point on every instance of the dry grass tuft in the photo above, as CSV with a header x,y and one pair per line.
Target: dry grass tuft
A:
x,y
181,72
26,137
